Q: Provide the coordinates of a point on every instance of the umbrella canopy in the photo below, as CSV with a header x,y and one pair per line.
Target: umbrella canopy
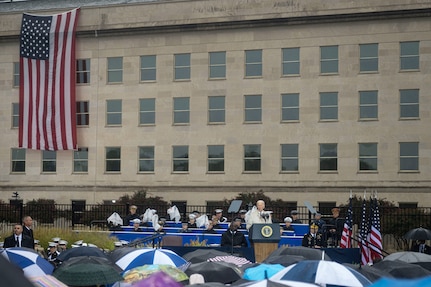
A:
x,y
238,261
81,251
46,281
262,271
322,272
142,272
400,269
86,271
372,274
420,259
201,255
159,279
308,253
388,282
277,283
30,261
284,260
216,271
143,256
11,275
418,234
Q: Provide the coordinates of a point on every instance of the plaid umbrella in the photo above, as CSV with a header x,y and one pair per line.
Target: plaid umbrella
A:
x,y
239,261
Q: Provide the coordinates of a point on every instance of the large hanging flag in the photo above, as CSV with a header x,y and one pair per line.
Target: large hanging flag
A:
x,y
47,117
346,235
375,234
363,234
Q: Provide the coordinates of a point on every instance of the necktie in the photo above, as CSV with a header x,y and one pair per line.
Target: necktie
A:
x,y
17,241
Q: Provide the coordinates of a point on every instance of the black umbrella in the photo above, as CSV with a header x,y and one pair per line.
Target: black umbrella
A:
x,y
283,259
418,234
87,271
201,255
11,275
80,251
308,253
372,274
216,271
400,269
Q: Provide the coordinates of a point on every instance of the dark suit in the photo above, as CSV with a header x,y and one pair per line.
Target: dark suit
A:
x,y
238,239
25,241
311,241
28,232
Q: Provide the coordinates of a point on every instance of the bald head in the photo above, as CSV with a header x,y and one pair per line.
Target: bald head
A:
x,y
260,204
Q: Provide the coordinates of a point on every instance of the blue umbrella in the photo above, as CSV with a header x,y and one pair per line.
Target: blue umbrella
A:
x,y
30,261
140,257
262,271
322,272
391,282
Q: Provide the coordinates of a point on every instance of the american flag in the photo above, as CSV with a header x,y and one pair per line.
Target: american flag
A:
x,y
346,235
47,82
363,233
375,235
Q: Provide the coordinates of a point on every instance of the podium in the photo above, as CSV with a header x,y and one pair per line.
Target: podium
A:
x,y
264,238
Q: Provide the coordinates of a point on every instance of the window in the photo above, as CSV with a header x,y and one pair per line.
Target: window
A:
x,y
215,158
181,110
113,112
180,158
216,109
252,160
409,156
146,159
328,157
147,111
253,63
15,115
83,71
325,207
368,156
253,108
369,58
328,106
289,107
217,67
182,67
115,70
148,68
408,205
409,104
290,63
80,160
16,74
83,113
368,105
18,160
113,159
409,55
329,59
289,157
49,161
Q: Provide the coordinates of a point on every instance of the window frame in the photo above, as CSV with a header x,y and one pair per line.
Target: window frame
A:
x,y
113,71
326,61
82,116
176,158
146,157
16,75
214,110
366,155
111,114
216,66
406,105
368,104
250,64
177,111
18,159
80,159
250,161
409,59
113,160
287,62
185,68
289,157
143,112
288,105
85,73
15,116
148,68
49,158
250,116
323,159
215,160
323,107
406,156
367,58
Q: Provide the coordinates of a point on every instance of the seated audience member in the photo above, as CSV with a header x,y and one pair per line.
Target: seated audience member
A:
x,y
288,226
52,253
219,214
192,221
313,239
132,215
212,225
184,227
62,246
294,214
136,225
232,236
421,247
18,239
319,221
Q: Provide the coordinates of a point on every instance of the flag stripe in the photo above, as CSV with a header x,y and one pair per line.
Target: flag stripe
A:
x,y
47,89
346,241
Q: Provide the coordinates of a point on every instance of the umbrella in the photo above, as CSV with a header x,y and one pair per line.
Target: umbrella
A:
x,y
86,270
284,260
201,255
216,271
141,272
421,259
322,272
308,253
400,269
139,257
385,282
262,271
207,284
276,283
418,234
238,261
29,260
80,251
372,274
159,279
11,275
46,281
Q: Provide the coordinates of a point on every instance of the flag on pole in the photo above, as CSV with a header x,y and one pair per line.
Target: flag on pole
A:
x,y
47,119
363,234
346,235
375,235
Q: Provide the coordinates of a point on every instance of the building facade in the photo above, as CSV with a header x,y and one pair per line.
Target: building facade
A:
x,y
201,100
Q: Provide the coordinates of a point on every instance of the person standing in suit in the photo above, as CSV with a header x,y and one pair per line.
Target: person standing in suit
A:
x,y
27,223
233,237
18,239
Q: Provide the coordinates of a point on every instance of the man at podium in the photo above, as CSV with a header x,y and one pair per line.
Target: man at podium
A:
x,y
258,214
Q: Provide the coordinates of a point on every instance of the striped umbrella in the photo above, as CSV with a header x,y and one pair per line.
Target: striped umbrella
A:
x,y
239,261
140,257
29,260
